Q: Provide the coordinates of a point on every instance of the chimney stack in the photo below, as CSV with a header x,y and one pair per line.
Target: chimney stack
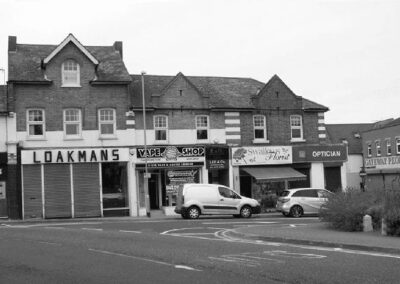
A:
x,y
118,47
12,43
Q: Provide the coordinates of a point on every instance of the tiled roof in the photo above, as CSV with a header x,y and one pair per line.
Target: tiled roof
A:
x,y
3,98
336,133
25,63
224,92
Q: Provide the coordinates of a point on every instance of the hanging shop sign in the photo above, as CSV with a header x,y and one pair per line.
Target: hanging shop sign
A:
x,y
383,162
319,153
170,154
59,156
217,158
262,155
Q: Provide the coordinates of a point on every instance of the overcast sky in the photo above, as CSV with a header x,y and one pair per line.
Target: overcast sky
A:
x,y
343,54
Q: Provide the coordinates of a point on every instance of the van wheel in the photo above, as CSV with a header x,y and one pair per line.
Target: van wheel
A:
x,y
245,212
296,211
193,212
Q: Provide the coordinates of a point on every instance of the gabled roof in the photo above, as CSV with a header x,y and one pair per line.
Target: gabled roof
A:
x,y
337,133
224,92
3,98
180,75
68,39
25,64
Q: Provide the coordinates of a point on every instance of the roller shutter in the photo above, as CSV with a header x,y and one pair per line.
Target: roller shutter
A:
x,y
32,183
57,191
86,190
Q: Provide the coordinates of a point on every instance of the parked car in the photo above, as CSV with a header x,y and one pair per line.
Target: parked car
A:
x,y
208,199
299,201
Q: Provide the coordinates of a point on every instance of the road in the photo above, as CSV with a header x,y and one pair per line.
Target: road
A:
x,y
176,251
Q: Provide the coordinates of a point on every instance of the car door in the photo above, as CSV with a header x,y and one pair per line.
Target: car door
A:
x,y
308,200
228,201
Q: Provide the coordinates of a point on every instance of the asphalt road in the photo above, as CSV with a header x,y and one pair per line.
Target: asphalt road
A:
x,y
175,251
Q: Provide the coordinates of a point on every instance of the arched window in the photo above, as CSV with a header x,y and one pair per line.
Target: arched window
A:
x,y
70,74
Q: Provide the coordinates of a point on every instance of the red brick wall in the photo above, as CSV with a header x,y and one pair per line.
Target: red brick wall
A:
x,y
54,98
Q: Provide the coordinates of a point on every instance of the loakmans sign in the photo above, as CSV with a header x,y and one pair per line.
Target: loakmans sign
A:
x,y
263,155
93,155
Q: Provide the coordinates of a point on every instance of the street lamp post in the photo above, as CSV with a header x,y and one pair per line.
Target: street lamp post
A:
x,y
146,173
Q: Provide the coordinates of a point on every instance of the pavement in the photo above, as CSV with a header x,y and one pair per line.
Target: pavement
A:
x,y
320,234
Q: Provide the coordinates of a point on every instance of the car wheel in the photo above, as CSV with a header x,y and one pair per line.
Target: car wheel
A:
x,y
193,212
245,212
296,211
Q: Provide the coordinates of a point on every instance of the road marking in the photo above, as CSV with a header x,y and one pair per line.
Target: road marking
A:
x,y
54,228
233,222
134,232
92,229
50,243
144,259
51,224
181,229
284,253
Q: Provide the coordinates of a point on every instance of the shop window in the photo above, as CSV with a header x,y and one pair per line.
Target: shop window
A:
x,y
160,128
72,123
398,145
70,74
202,126
107,123
260,131
115,187
36,123
369,150
388,147
296,127
378,148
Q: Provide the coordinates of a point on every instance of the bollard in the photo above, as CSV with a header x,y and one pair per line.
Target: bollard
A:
x,y
384,227
367,223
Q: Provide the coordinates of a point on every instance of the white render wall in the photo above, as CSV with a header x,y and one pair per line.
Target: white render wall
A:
x,y
317,176
3,135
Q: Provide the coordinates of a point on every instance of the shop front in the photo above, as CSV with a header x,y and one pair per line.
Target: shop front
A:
x,y
168,167
3,185
217,164
73,183
383,173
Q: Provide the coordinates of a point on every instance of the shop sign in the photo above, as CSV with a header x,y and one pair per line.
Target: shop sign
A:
x,y
169,165
383,162
217,158
263,155
60,156
170,154
319,153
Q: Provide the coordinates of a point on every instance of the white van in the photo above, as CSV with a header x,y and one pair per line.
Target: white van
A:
x,y
196,199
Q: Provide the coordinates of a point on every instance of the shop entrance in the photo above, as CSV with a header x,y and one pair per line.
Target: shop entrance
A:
x,y
153,191
115,189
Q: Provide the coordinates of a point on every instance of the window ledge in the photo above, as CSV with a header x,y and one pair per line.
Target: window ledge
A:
x,y
108,138
71,86
72,138
32,138
297,140
160,142
260,141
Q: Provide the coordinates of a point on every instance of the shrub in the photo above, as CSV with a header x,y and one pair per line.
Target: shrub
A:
x,y
391,212
345,210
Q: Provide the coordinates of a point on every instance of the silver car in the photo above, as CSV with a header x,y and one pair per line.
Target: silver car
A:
x,y
299,201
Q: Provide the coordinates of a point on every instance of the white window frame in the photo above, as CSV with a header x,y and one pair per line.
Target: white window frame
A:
x,y
157,127
77,122
378,148
70,73
112,122
388,147
397,145
258,127
201,127
369,149
35,122
296,127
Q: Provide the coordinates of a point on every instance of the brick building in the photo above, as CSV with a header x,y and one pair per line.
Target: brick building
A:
x,y
3,152
381,149
257,138
70,130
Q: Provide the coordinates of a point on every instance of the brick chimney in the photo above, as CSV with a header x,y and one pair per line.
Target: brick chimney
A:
x,y
118,47
12,43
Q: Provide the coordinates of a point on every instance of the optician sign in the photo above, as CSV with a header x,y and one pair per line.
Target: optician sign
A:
x,y
59,156
319,153
263,155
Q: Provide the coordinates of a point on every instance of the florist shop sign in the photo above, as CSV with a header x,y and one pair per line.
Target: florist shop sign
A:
x,y
267,155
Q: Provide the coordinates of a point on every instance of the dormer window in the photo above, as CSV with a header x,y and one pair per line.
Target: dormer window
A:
x,y
70,74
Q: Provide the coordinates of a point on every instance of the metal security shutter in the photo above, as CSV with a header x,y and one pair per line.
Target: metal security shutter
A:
x,y
32,183
86,190
57,191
